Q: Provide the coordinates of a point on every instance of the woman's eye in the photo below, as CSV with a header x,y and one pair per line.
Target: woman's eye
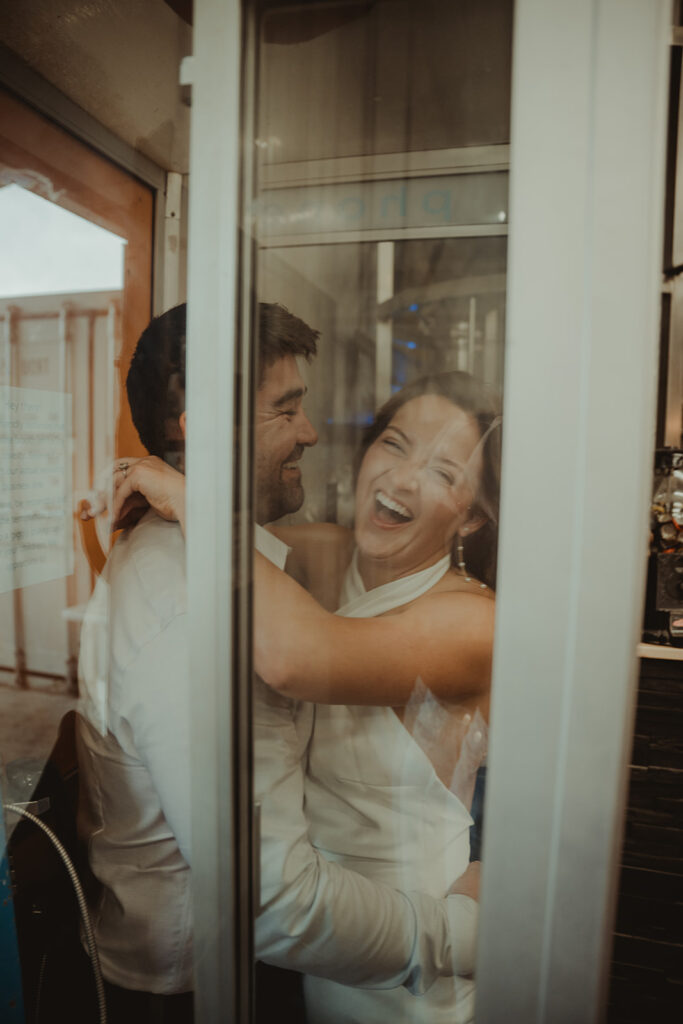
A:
x,y
389,442
446,476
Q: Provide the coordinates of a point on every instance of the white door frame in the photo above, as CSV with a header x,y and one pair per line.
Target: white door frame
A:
x,y
586,214
221,818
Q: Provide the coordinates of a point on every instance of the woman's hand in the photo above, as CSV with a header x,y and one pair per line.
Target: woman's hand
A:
x,y
147,483
140,484
468,883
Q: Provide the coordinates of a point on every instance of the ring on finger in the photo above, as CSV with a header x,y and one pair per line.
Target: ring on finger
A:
x,y
123,467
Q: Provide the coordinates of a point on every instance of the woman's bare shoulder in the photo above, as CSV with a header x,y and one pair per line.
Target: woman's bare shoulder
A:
x,y
454,583
453,592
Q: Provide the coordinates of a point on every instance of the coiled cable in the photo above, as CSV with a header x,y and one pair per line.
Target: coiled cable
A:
x,y
80,896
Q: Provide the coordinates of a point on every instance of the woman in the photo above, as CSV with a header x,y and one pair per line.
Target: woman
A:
x,y
405,687
380,782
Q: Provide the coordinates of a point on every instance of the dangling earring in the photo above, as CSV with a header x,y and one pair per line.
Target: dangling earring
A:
x,y
462,568
460,555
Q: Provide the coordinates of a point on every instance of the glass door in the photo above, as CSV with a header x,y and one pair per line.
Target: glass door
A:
x,y
380,219
374,201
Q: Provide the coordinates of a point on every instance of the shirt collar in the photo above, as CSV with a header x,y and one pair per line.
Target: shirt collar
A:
x,y
270,546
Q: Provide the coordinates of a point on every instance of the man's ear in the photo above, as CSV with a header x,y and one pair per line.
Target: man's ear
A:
x,y
182,420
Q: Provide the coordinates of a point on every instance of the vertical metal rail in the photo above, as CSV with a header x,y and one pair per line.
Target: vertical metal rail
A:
x,y
247,812
6,364
471,333
92,321
12,349
383,342
492,345
172,210
113,346
70,538
221,818
90,356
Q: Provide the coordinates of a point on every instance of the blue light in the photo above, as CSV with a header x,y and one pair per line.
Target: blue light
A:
x,y
413,307
363,419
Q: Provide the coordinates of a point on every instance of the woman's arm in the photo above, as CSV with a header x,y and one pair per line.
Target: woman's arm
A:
x,y
320,551
445,639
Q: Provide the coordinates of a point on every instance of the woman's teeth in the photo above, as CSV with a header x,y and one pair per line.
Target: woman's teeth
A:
x,y
394,510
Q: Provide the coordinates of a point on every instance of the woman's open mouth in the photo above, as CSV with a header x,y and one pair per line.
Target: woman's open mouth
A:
x,y
390,512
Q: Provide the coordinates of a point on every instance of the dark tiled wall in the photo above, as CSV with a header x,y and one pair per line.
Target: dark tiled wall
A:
x,y
647,960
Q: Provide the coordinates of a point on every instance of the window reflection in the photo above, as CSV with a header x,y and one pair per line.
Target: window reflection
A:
x,y
381,219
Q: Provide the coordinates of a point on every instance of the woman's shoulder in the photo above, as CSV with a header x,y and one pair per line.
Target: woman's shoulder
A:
x,y
453,583
454,595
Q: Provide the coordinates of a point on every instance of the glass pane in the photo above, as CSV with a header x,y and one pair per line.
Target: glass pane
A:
x,y
380,216
398,78
75,273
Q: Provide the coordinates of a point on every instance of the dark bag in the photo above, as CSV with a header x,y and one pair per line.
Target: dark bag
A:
x,y
56,974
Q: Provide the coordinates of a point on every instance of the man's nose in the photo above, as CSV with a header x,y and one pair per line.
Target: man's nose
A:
x,y
307,434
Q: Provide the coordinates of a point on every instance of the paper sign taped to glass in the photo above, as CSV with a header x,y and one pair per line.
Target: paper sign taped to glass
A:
x,y
36,446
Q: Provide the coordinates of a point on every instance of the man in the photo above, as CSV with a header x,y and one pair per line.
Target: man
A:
x,y
314,916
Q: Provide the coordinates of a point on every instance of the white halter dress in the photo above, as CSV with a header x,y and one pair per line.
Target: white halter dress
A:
x,y
376,805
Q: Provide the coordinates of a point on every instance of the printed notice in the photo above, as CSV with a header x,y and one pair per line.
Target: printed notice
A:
x,y
36,533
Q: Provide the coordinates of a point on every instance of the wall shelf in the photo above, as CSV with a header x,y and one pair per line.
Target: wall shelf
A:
x,y
660,651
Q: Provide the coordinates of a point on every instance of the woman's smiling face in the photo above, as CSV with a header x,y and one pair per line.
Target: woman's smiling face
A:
x,y
416,485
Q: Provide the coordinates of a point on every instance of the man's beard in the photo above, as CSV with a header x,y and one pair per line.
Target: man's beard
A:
x,y
276,498
285,499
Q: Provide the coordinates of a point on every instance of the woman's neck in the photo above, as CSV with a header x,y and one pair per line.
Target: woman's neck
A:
x,y
375,572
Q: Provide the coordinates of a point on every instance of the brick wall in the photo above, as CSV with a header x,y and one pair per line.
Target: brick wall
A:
x,y
647,961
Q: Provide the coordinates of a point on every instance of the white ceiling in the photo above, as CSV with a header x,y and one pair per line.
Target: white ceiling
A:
x,y
118,59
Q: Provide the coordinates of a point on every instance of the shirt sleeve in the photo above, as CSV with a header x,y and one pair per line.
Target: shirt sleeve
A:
x,y
321,918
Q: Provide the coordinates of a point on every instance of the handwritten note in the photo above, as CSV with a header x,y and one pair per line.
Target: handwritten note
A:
x,y
36,532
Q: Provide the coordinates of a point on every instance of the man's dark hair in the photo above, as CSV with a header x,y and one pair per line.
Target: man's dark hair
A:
x,y
282,334
156,378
